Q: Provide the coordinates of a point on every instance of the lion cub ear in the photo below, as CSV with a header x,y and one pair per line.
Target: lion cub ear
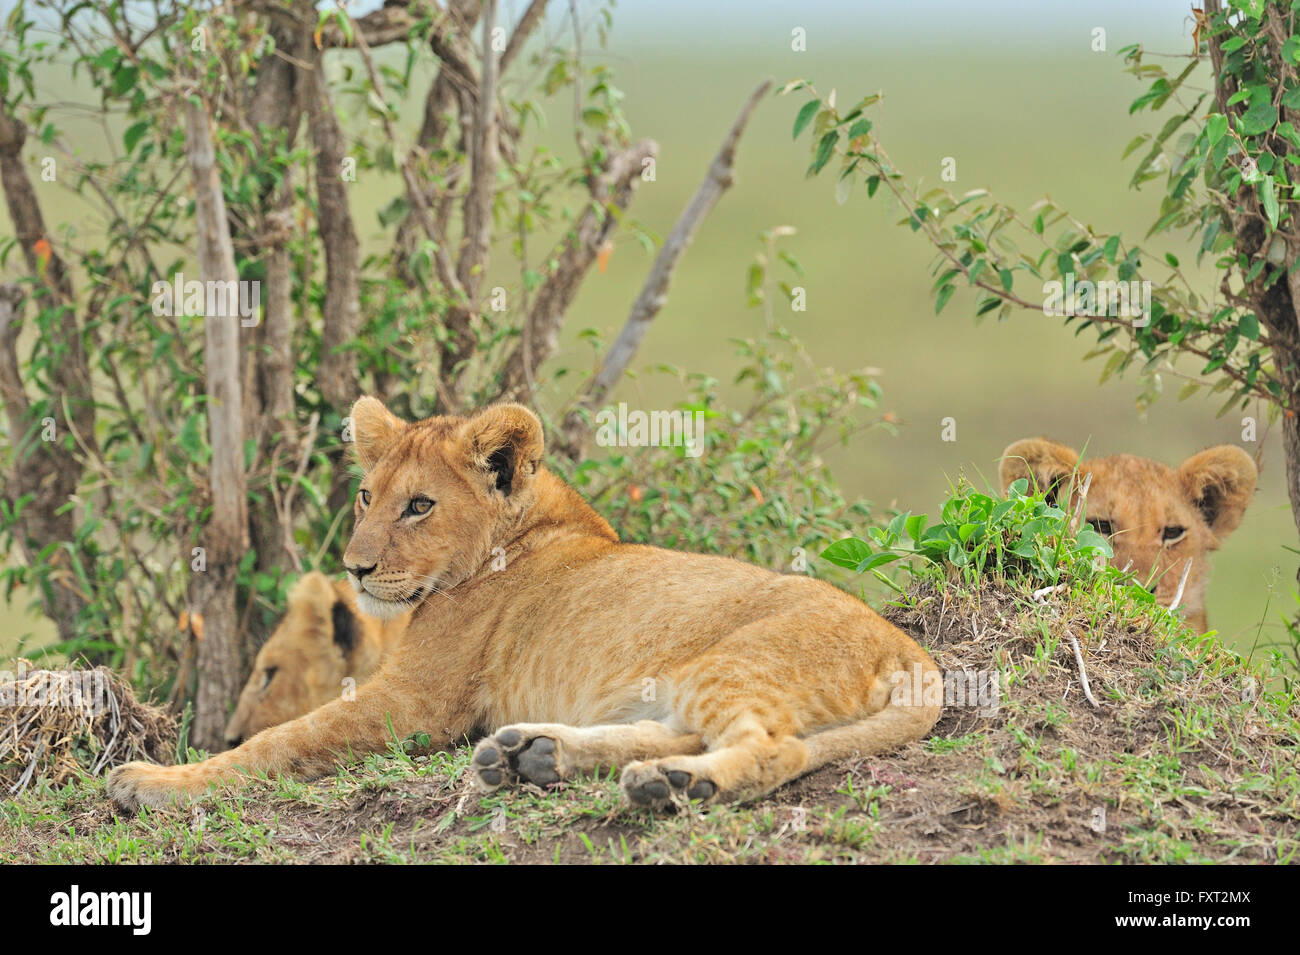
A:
x,y
1046,464
1220,482
505,442
374,429
311,597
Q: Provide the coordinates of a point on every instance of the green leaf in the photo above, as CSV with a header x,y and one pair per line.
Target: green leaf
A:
x,y
847,553
134,134
825,149
860,128
1249,326
805,116
915,526
877,560
124,79
1268,196
1215,127
945,293
1261,117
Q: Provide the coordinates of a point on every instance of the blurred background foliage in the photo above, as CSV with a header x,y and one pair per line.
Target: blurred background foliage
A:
x,y
1022,103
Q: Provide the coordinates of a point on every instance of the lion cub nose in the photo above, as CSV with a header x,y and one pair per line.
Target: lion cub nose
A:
x,y
358,571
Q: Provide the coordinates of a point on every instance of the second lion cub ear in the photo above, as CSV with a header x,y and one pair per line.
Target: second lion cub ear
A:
x,y
1046,464
505,441
1220,482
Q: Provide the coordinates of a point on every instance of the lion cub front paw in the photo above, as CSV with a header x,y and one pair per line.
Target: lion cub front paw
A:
x,y
514,753
133,785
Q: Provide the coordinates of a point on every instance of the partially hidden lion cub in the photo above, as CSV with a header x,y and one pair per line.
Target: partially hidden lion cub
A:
x,y
702,677
1157,518
322,648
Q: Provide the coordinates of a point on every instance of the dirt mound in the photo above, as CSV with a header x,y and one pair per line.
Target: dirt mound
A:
x,y
1181,750
55,724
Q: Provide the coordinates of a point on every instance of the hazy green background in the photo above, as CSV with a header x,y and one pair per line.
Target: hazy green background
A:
x,y
1026,109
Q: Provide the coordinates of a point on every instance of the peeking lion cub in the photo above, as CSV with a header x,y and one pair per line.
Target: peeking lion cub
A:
x,y
702,677
322,642
1158,519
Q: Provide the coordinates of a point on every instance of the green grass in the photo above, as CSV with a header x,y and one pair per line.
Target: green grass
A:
x,y
1180,762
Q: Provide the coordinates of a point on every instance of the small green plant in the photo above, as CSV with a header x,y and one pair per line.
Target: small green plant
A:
x,y
1020,537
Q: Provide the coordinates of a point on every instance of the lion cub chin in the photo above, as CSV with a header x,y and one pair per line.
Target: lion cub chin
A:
x,y
1162,522
702,677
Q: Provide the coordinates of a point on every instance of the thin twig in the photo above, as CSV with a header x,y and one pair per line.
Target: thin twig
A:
x,y
1083,673
1182,583
654,291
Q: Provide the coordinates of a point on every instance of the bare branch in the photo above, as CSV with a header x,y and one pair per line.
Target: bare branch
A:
x,y
654,291
527,23
342,306
540,335
483,167
14,395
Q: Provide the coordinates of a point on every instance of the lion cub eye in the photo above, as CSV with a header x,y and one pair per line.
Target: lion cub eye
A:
x,y
270,675
365,498
419,505
1101,527
1174,533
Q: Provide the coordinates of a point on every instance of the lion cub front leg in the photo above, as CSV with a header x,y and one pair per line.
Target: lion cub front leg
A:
x,y
545,753
308,747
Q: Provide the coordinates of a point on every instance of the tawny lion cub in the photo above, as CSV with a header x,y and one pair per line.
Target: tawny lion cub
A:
x,y
322,648
1157,518
701,677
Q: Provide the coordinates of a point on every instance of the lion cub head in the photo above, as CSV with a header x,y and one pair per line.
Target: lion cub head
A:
x,y
1157,518
322,641
438,495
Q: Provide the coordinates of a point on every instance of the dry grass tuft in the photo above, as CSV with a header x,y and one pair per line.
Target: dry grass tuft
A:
x,y
56,724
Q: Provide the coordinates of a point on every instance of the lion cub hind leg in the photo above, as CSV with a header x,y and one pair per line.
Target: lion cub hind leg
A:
x,y
545,753
757,701
748,762
745,762
879,733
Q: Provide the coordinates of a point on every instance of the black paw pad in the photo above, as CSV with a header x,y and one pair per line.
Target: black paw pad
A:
x,y
486,756
509,737
653,790
701,790
537,763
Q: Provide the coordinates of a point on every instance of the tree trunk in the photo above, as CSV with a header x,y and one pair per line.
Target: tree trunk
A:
x,y
46,469
224,540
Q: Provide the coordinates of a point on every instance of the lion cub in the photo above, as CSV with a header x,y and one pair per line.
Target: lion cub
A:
x,y
702,677
322,642
1158,519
